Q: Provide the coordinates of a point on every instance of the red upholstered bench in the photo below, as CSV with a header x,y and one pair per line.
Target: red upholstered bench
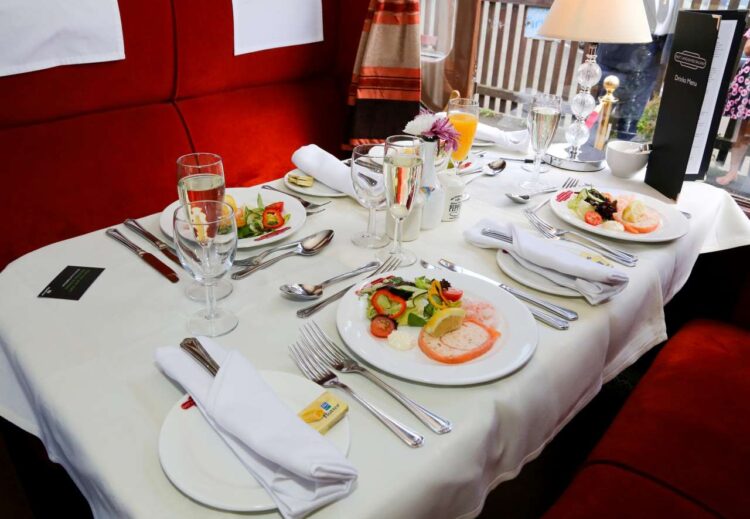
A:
x,y
680,447
87,146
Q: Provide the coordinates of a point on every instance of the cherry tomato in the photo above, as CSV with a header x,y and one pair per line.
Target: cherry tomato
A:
x,y
593,218
452,294
382,326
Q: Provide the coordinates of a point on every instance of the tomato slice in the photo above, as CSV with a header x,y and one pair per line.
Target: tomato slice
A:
x,y
593,218
452,294
382,326
278,206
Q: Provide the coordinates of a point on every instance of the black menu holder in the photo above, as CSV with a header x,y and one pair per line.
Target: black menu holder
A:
x,y
701,67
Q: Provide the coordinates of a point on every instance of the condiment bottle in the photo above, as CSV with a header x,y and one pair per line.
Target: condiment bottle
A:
x,y
454,193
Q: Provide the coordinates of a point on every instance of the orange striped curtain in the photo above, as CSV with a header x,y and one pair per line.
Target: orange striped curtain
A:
x,y
386,82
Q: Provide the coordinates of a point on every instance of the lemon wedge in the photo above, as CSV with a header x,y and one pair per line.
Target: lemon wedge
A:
x,y
444,321
229,200
634,211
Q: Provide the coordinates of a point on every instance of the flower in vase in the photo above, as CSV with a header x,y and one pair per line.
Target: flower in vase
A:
x,y
420,124
432,127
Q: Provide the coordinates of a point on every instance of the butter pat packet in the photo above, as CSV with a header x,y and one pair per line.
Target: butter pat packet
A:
x,y
324,412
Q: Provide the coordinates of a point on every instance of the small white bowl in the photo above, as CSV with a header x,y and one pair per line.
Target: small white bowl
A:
x,y
624,159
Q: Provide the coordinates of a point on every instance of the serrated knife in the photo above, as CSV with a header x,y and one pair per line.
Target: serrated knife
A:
x,y
163,247
149,258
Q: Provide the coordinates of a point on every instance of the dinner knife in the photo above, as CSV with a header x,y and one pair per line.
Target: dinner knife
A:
x,y
134,226
149,258
566,314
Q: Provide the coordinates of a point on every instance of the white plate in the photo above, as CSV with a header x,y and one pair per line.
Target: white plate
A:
x,y
249,196
510,352
198,462
517,272
673,222
317,189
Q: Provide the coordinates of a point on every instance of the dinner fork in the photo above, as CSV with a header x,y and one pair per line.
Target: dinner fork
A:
x,y
390,264
554,233
316,371
309,206
316,340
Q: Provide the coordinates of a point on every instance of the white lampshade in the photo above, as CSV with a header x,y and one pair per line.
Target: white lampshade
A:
x,y
597,21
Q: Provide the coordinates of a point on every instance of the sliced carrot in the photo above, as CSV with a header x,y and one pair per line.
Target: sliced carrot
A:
x,y
450,355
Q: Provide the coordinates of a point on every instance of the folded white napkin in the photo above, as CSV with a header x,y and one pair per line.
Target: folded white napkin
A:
x,y
40,34
326,168
298,467
512,141
260,24
558,263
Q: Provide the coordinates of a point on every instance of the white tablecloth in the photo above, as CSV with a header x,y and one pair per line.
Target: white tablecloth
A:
x,y
81,374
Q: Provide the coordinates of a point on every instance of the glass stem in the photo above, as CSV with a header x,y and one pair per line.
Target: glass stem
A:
x,y
537,165
371,222
397,236
210,301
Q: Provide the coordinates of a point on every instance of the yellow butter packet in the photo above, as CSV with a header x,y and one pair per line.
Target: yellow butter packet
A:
x,y
324,412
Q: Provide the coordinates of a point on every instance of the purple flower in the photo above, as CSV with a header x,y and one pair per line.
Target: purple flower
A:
x,y
443,130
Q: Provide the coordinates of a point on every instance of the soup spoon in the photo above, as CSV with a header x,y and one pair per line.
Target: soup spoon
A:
x,y
307,247
305,292
496,167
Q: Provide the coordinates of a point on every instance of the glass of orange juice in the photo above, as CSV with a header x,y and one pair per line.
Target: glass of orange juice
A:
x,y
464,115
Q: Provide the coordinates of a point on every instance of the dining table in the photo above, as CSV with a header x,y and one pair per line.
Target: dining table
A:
x,y
81,375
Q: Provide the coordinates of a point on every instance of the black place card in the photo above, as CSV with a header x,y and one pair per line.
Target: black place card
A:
x,y
71,283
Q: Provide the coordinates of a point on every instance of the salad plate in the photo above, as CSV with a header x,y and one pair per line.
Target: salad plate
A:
x,y
518,272
198,462
317,189
670,222
514,347
248,196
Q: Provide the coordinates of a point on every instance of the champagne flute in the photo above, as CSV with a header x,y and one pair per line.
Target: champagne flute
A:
x,y
367,178
463,113
544,115
402,168
200,176
205,234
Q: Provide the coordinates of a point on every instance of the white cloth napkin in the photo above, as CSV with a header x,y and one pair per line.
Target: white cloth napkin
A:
x,y
261,25
597,283
326,168
511,141
299,468
39,34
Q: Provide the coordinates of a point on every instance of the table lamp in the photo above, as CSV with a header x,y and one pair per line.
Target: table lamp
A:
x,y
594,22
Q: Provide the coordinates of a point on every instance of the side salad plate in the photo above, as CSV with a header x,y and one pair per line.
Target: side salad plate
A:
x,y
276,218
619,214
198,462
437,327
316,189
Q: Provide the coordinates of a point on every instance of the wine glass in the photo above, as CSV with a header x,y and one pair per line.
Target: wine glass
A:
x,y
200,176
544,115
463,113
367,178
205,234
402,168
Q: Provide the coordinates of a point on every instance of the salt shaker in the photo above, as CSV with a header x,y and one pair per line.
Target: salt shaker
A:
x,y
454,194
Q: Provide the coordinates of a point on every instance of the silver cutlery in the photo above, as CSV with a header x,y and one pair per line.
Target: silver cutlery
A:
x,y
307,205
336,358
149,258
258,258
388,265
372,166
496,167
310,246
549,231
542,317
524,198
305,292
134,226
316,371
196,350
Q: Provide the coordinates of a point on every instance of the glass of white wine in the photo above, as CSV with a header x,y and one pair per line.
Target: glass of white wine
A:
x,y
200,176
402,169
544,115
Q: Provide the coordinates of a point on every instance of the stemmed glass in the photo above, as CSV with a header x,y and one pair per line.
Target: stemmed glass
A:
x,y
544,115
367,178
402,168
205,234
200,176
463,113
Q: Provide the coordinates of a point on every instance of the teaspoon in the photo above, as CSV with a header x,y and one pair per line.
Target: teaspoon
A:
x,y
496,167
307,247
305,292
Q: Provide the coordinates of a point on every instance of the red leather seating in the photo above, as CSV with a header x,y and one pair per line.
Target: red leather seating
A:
x,y
87,146
679,447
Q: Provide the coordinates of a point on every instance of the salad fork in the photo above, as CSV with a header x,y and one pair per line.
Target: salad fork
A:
x,y
391,263
314,369
307,205
554,233
316,340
